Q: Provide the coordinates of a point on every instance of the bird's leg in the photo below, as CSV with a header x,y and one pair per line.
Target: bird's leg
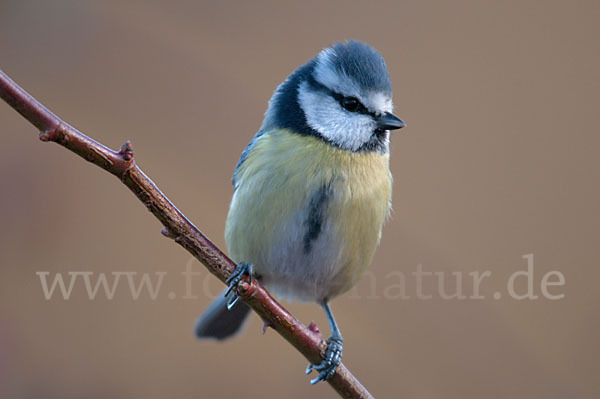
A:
x,y
233,280
333,355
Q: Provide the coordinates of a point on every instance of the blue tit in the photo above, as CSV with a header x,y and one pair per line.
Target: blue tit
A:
x,y
313,188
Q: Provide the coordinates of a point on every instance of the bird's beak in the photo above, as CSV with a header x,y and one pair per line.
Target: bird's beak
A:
x,y
390,121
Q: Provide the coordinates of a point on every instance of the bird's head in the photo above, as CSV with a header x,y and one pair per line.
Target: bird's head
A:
x,y
343,96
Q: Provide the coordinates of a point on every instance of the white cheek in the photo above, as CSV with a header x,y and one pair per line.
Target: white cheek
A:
x,y
323,113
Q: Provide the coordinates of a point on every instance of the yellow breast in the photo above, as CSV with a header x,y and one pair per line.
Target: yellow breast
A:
x,y
266,222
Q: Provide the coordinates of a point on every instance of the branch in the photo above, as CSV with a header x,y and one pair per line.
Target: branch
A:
x,y
307,340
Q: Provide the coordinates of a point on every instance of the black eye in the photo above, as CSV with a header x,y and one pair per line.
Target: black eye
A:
x,y
350,103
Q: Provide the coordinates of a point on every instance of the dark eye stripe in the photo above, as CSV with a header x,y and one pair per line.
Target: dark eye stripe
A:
x,y
361,109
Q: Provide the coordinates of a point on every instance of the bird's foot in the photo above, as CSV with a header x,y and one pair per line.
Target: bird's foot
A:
x,y
333,358
241,270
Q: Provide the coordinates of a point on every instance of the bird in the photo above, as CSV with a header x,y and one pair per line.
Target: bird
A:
x,y
312,190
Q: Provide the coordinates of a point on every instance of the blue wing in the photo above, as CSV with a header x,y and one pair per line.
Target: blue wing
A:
x,y
244,155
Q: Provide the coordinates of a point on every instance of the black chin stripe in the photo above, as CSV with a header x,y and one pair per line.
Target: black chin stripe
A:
x,y
377,142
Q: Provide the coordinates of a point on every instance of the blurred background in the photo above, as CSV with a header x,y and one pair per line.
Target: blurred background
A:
x,y
499,160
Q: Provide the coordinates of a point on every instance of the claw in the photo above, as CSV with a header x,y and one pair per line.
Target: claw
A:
x,y
233,280
309,369
333,358
232,301
315,380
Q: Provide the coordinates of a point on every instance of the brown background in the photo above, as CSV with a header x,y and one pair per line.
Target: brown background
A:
x,y
500,159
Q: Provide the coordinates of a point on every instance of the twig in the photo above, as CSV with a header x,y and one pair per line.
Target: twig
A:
x,y
307,340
